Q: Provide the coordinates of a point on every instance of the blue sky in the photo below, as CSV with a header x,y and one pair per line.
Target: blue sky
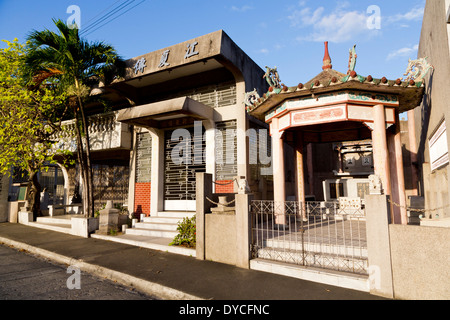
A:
x,y
288,35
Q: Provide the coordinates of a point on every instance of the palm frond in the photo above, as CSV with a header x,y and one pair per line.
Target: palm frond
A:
x,y
65,55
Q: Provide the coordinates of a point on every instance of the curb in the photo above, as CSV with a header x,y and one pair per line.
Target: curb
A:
x,y
150,288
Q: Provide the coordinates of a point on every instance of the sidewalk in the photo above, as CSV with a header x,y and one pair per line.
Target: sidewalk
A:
x,y
167,275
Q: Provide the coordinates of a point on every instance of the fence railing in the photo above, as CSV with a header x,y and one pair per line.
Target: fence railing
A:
x,y
330,235
104,130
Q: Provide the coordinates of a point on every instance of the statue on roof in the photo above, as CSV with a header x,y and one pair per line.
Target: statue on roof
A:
x,y
417,69
352,59
272,77
351,73
251,98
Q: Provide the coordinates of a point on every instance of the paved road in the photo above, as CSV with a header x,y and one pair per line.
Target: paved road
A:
x,y
27,277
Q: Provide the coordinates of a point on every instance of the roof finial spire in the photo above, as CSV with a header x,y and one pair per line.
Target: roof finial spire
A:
x,y
326,59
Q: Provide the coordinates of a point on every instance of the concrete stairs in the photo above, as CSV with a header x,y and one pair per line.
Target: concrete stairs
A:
x,y
57,223
163,225
154,232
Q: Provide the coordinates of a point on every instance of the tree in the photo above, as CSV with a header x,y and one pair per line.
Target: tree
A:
x,y
28,120
77,65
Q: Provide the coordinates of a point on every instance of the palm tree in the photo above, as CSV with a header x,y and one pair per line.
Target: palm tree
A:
x,y
76,64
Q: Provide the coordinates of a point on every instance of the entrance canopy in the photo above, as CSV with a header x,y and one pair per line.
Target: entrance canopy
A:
x,y
165,114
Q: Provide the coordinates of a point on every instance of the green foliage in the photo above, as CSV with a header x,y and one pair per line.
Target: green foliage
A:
x,y
186,233
75,62
28,117
97,212
75,65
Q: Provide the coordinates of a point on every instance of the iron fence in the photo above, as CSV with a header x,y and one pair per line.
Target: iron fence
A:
x,y
330,235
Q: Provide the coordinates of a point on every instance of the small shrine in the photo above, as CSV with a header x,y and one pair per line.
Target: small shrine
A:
x,y
338,132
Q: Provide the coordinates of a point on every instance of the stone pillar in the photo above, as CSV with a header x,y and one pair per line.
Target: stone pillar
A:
x,y
241,125
380,148
109,219
279,191
203,190
300,172
243,230
413,152
210,148
157,172
83,226
25,216
400,172
398,195
395,210
299,168
378,245
132,176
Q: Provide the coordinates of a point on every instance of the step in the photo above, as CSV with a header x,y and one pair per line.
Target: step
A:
x,y
176,214
154,243
315,259
64,228
164,224
157,226
54,221
151,232
327,248
161,219
330,277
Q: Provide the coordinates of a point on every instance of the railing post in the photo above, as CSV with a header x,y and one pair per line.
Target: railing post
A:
x,y
203,190
243,230
378,245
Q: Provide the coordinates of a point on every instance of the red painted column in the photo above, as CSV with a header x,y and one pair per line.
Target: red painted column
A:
x,y
400,171
395,196
300,171
380,149
279,188
413,151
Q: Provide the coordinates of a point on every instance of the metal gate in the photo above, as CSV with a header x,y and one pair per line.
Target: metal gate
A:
x,y
179,176
330,235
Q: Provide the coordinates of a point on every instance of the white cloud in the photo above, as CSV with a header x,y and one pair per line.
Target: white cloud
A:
x,y
304,17
415,14
403,52
342,24
339,26
241,9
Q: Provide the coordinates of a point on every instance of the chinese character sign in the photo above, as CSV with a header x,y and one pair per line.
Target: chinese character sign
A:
x,y
140,65
163,61
191,50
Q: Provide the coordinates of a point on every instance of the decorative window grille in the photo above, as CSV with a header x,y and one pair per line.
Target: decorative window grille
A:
x,y
226,150
216,96
179,182
260,151
144,157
